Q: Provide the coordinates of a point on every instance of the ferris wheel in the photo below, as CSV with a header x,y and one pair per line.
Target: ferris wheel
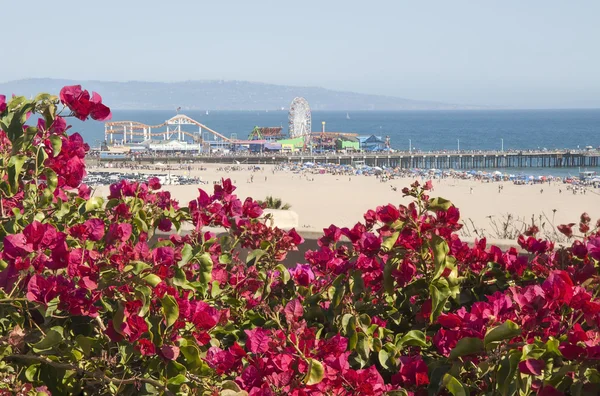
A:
x,y
300,119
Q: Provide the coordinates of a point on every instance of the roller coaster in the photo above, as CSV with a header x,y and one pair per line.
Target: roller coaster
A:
x,y
129,132
136,132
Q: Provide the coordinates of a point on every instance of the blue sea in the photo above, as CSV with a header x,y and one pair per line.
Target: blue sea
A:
x,y
426,130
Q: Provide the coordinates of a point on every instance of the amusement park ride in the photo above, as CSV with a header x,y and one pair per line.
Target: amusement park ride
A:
x,y
137,132
300,122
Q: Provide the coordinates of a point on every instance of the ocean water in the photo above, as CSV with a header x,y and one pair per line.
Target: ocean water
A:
x,y
426,130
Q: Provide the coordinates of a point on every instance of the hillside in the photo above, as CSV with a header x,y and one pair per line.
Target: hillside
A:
x,y
221,95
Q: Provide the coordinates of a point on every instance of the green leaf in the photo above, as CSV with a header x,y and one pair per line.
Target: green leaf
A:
x,y
467,346
254,256
454,386
384,358
140,224
31,372
315,372
56,144
413,338
206,267
152,279
170,310
339,290
225,258
192,357
51,339
180,280
349,327
440,251
139,266
505,331
363,346
186,255
143,293
85,343
507,370
15,165
51,179
439,203
283,273
592,375
94,203
177,380
389,242
231,385
440,293
388,279
358,284
118,318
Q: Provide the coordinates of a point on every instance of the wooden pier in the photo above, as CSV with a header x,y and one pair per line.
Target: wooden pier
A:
x,y
406,160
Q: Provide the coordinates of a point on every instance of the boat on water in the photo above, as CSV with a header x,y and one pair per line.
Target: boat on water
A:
x,y
206,112
347,116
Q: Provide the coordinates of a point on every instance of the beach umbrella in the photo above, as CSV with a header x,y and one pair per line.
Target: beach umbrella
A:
x,y
530,177
498,173
309,164
377,168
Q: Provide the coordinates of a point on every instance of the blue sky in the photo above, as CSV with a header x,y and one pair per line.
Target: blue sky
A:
x,y
515,53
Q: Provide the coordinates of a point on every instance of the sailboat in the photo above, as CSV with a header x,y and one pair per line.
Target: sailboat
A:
x,y
347,116
206,112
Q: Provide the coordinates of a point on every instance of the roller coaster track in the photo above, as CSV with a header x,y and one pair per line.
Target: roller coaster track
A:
x,y
136,128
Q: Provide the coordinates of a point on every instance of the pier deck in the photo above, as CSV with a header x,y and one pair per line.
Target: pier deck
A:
x,y
406,160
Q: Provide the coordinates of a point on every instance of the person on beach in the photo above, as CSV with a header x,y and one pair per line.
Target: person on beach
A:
x,y
471,191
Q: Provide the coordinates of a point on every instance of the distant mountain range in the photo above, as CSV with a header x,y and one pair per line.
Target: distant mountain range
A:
x,y
222,95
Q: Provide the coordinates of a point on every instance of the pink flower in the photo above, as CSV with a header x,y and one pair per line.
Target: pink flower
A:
x,y
593,247
388,213
413,371
531,366
82,106
119,232
252,209
302,274
84,191
165,225
145,347
558,287
2,103
566,229
154,183
257,340
169,352
370,244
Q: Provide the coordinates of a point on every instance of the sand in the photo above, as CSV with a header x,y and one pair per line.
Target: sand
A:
x,y
342,200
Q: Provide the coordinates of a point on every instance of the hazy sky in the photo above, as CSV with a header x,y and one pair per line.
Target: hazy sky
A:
x,y
534,53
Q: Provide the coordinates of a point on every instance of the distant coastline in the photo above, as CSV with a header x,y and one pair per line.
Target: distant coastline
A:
x,y
225,95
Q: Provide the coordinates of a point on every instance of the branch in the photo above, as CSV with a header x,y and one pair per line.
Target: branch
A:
x,y
98,376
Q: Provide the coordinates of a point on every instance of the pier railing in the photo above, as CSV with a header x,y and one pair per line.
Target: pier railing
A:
x,y
402,159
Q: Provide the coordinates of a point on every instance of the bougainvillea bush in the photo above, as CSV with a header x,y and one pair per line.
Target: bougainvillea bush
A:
x,y
92,302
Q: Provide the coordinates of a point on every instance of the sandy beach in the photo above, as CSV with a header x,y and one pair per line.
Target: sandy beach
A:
x,y
324,199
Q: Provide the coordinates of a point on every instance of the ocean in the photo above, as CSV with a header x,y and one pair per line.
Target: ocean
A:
x,y
425,130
